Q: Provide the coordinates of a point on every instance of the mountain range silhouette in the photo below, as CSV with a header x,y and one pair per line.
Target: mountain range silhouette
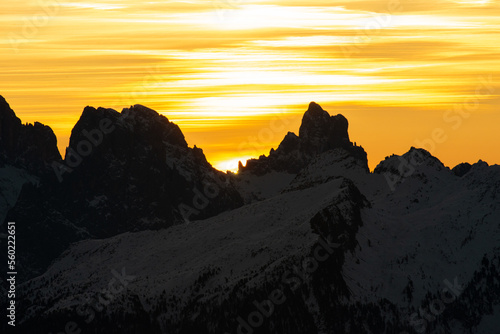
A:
x,y
206,248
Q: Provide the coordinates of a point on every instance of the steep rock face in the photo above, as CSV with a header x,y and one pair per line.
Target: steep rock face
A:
x,y
319,132
166,181
30,146
26,153
128,171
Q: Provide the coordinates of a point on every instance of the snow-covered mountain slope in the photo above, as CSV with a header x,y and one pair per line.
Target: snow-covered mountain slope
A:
x,y
206,262
331,164
434,226
259,187
321,168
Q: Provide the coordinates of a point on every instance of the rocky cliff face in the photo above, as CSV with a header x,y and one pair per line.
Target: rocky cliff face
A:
x,y
26,154
141,171
30,146
318,133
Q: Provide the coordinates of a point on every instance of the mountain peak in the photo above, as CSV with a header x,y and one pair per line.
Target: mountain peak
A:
x,y
32,146
315,108
5,108
319,132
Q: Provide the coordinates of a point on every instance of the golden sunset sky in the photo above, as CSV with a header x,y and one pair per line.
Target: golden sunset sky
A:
x,y
236,75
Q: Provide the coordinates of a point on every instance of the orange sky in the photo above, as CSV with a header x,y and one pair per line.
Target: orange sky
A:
x,y
236,75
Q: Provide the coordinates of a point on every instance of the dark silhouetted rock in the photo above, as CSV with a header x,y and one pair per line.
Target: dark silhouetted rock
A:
x,y
319,132
461,169
122,172
31,146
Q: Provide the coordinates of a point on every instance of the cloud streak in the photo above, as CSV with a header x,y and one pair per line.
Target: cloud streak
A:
x,y
228,64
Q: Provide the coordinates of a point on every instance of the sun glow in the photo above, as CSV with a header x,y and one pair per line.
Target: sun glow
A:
x,y
231,164
246,17
474,2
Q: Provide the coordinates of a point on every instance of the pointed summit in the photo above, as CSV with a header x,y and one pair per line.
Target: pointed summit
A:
x,y
10,127
314,118
315,109
319,132
314,125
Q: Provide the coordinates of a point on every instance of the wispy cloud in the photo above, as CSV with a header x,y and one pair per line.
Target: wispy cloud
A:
x,y
230,65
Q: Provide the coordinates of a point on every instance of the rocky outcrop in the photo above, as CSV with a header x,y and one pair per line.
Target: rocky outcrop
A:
x,y
319,132
29,146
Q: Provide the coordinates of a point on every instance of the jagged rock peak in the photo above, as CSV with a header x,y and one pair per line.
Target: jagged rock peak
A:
x,y
32,146
137,123
89,110
319,132
315,110
9,125
92,116
289,143
314,119
5,109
